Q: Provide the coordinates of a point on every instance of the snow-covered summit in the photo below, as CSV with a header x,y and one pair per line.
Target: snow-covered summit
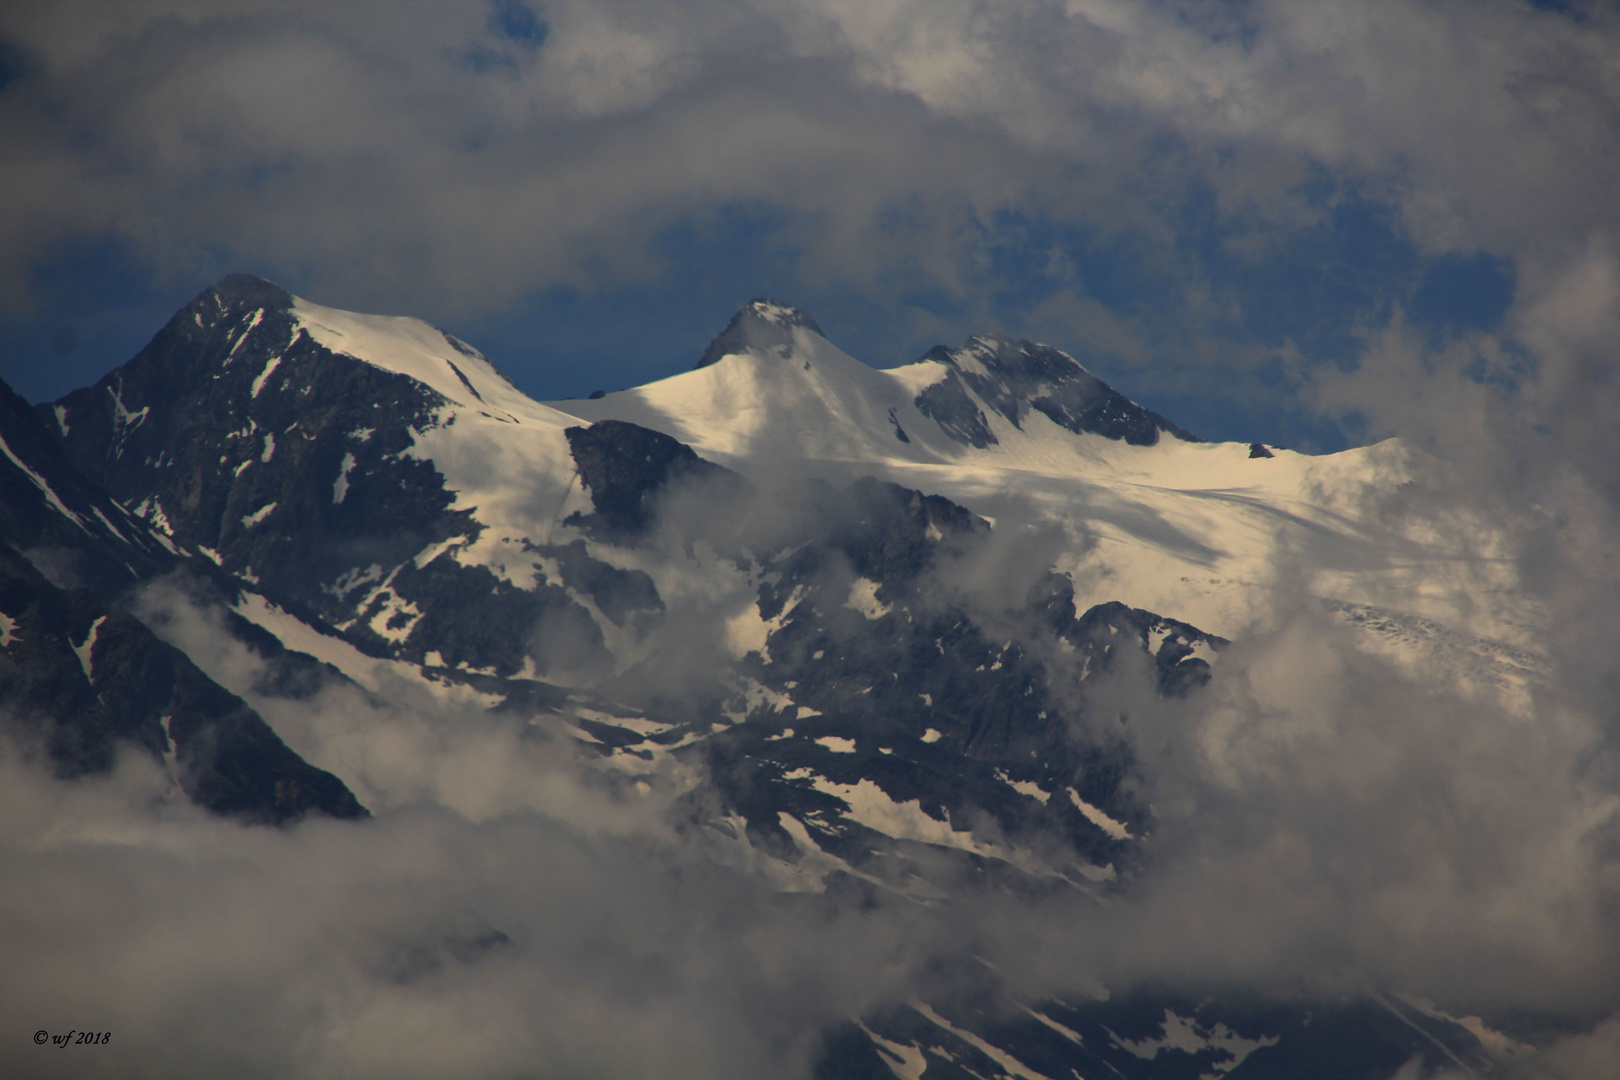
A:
x,y
772,384
411,347
257,324
262,409
1016,430
761,326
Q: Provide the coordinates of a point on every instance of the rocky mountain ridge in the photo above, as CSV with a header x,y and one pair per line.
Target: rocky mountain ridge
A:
x,y
795,575
82,680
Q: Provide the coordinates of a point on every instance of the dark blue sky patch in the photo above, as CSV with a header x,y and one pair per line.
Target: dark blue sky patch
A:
x,y
517,22
481,60
519,34
1318,288
1236,21
97,305
12,65
1030,259
568,342
1567,8
1463,293
1505,370
565,342
1113,269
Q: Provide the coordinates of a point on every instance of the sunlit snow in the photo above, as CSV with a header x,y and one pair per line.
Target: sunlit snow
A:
x,y
45,488
85,650
1107,824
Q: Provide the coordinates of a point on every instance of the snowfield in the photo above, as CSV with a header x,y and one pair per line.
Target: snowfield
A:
x,y
1200,531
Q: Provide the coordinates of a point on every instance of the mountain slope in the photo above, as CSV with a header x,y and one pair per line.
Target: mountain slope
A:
x,y
78,535
298,468
389,491
1020,433
386,488
82,683
878,637
81,680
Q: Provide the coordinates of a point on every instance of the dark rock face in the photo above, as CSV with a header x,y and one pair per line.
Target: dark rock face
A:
x,y
625,466
1260,450
763,325
82,681
887,532
292,465
899,432
949,405
468,615
621,595
1015,376
259,444
940,708
876,652
1224,1032
70,530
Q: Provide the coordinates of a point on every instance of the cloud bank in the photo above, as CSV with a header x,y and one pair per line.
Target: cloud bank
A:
x,y
1329,821
1212,188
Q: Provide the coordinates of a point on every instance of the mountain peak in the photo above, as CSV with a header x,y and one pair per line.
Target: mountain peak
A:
x,y
1014,375
761,325
227,300
248,291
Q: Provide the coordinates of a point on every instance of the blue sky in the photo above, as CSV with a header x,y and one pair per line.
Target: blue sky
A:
x,y
1222,208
